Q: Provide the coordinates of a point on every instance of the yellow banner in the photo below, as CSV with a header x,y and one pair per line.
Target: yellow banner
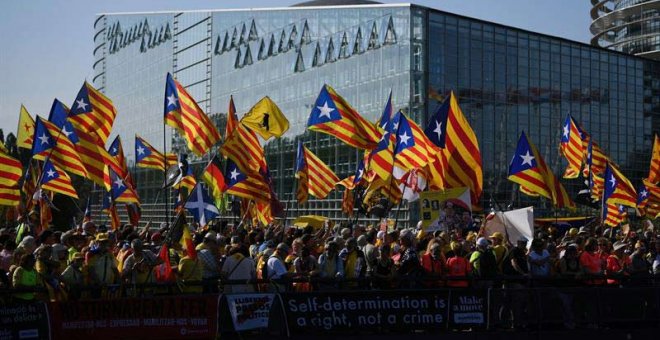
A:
x,y
432,204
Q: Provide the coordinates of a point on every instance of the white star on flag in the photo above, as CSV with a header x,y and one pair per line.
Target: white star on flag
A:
x,y
644,193
234,174
119,183
566,130
51,173
81,104
613,181
325,110
44,139
171,100
64,131
527,158
404,138
140,150
438,129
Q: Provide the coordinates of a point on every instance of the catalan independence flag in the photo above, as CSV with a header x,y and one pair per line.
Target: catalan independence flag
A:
x,y
25,131
320,178
528,169
248,186
332,115
146,156
57,181
116,150
654,169
413,147
95,157
183,114
119,191
50,141
93,111
617,188
594,156
109,207
648,199
613,214
381,159
242,146
11,170
214,178
571,147
449,130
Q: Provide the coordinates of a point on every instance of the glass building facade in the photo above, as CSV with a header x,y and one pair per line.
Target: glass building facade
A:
x,y
507,80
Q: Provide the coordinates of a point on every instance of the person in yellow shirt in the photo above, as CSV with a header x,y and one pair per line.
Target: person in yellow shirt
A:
x,y
190,270
26,277
499,249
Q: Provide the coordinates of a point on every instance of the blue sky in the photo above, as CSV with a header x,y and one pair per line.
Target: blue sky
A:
x,y
46,45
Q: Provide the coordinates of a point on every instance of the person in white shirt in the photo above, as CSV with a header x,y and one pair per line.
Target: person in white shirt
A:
x,y
238,267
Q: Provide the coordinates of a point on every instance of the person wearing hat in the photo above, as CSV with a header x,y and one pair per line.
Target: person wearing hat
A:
x,y
138,267
102,265
616,263
499,249
73,277
210,260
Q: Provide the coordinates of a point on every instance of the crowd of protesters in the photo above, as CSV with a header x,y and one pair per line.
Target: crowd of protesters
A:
x,y
93,262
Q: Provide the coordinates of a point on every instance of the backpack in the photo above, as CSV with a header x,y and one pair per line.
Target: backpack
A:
x,y
487,264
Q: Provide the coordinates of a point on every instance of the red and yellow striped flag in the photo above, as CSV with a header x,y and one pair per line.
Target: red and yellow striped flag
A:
x,y
183,114
10,196
571,147
57,181
25,131
232,119
320,178
64,154
333,115
243,147
94,156
450,130
654,170
93,111
11,170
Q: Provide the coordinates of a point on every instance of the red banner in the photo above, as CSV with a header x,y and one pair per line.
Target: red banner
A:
x,y
164,317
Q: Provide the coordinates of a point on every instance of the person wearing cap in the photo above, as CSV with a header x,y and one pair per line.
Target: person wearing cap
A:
x,y
102,265
499,249
616,264
73,277
138,267
210,260
484,263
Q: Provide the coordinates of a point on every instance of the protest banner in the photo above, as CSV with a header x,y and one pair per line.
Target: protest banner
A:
x,y
165,317
28,321
250,311
433,204
348,312
468,308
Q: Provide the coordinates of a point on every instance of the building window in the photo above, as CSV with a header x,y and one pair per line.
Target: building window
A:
x,y
330,52
357,44
343,47
300,63
253,35
373,38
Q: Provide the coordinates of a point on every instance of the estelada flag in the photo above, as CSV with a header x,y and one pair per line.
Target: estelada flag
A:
x,y
617,188
266,119
333,115
25,130
571,147
56,180
183,114
64,154
244,149
92,111
319,177
654,169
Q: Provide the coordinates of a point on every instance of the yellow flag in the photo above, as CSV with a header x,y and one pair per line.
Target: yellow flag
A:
x,y
266,119
25,129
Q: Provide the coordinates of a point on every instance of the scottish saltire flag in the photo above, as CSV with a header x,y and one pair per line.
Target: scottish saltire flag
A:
x,y
25,130
93,112
146,156
320,178
528,169
617,188
183,114
248,186
57,181
460,158
654,169
119,191
48,136
332,115
571,147
200,205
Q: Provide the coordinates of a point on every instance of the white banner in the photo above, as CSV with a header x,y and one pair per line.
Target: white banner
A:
x,y
513,224
250,311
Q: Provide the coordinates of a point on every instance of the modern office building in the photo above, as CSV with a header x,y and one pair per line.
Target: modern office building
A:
x,y
507,80
628,26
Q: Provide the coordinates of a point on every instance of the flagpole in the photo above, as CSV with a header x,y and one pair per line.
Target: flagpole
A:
x,y
166,189
396,218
